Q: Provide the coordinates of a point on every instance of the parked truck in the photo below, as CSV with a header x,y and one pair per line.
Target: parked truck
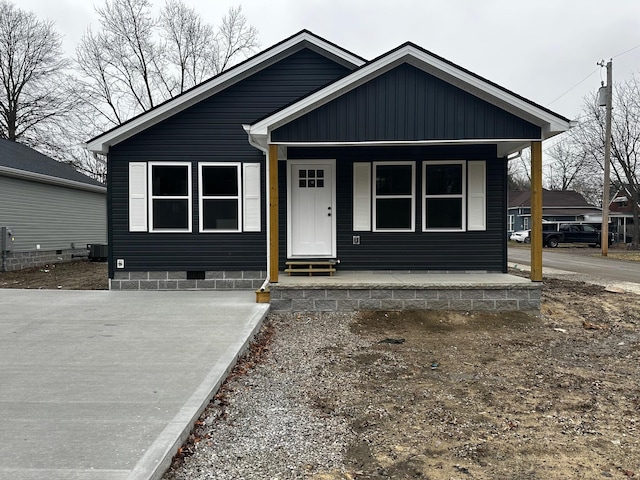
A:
x,y
555,233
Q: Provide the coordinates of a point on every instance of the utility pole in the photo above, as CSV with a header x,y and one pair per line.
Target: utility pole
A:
x,y
606,185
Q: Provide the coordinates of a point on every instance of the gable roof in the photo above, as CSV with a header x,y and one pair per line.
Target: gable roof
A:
x,y
17,160
549,122
550,199
295,43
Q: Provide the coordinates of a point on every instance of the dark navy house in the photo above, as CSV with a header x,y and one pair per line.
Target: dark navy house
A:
x,y
307,151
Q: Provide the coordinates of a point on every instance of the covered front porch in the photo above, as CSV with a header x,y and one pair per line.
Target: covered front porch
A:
x,y
417,214
405,290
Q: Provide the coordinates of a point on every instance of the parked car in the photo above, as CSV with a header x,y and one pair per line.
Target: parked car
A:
x,y
521,236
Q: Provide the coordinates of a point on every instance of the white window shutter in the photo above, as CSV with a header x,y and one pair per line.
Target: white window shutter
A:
x,y
361,197
138,197
251,192
477,195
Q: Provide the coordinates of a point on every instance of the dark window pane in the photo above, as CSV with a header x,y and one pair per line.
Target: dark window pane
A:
x,y
312,183
220,214
170,214
444,179
320,183
393,213
393,179
312,174
320,174
170,181
302,183
302,174
220,181
444,212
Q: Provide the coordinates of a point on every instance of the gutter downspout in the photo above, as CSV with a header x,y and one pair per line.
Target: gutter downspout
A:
x,y
264,150
3,247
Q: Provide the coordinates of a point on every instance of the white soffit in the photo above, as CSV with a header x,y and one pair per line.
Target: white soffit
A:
x,y
101,143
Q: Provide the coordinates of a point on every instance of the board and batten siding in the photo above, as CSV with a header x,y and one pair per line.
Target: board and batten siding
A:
x,y
210,131
405,104
469,250
51,216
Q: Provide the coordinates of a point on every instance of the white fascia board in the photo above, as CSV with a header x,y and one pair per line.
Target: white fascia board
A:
x,y
40,178
102,143
550,123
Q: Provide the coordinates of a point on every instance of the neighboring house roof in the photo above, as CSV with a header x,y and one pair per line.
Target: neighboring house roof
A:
x,y
299,41
550,123
621,194
17,160
558,202
571,211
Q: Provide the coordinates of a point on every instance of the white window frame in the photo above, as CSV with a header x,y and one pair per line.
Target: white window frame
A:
x,y
510,223
202,198
189,197
525,223
375,197
462,195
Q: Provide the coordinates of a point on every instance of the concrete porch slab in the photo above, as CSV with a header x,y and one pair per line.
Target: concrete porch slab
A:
x,y
352,291
400,279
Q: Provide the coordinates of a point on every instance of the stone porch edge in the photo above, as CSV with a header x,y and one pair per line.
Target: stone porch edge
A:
x,y
167,280
522,297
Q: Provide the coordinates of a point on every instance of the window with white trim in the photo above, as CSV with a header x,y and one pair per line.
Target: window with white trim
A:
x,y
444,205
220,196
525,223
170,197
394,196
510,223
160,197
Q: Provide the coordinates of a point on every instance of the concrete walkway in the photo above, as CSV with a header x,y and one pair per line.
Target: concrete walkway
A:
x,y
105,385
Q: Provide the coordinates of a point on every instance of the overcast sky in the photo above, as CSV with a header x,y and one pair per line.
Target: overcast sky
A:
x,y
539,50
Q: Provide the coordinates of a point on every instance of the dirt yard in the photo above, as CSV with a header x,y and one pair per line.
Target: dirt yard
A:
x,y
79,275
442,395
501,396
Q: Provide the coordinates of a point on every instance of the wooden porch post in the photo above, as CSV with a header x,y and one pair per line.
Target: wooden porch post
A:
x,y
273,213
536,211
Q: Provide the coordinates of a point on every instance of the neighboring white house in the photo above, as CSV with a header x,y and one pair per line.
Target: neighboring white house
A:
x,y
52,211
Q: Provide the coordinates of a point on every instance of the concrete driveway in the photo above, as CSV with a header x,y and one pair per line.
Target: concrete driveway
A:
x,y
105,385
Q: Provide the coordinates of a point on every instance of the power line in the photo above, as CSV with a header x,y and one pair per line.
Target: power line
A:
x,y
576,85
596,70
626,51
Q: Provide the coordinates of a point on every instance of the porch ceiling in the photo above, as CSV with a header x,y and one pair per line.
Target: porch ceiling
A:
x,y
504,148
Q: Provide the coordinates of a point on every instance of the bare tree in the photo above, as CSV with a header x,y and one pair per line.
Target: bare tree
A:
x,y
34,96
625,141
234,39
136,61
189,44
519,171
573,168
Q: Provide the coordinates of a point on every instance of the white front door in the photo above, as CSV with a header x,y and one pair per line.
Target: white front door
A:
x,y
311,206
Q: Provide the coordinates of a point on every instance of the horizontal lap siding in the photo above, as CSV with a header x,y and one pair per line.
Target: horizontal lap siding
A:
x,y
405,104
51,216
478,250
210,131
